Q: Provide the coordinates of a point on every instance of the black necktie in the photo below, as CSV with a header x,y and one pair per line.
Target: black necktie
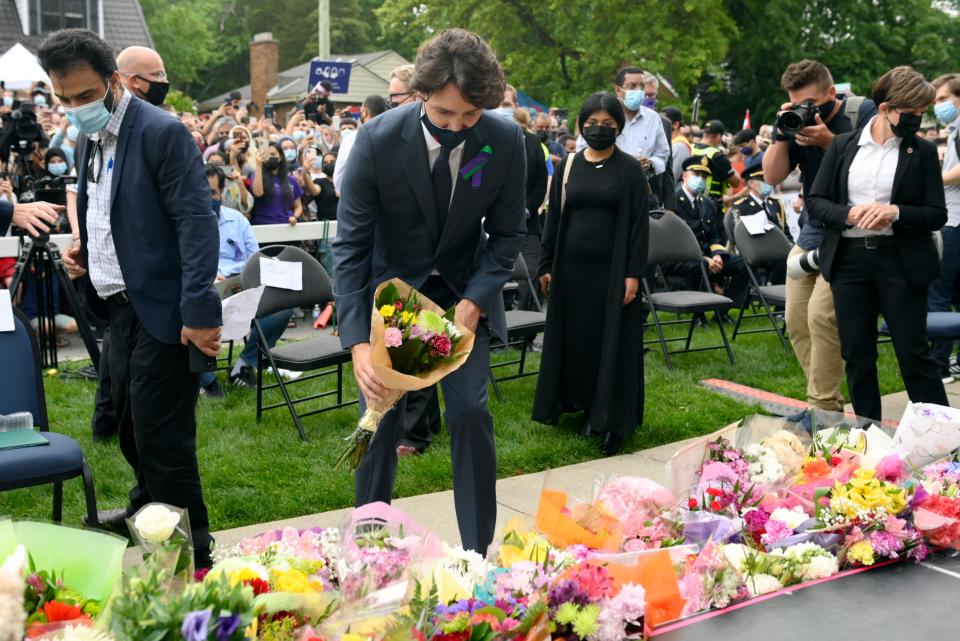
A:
x,y
442,184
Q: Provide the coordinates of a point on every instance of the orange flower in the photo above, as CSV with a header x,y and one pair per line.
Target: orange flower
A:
x,y
815,469
57,611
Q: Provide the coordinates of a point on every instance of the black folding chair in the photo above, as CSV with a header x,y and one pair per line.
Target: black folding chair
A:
x,y
321,353
672,241
772,247
522,328
21,380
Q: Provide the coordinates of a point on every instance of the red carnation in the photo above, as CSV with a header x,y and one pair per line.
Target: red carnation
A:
x,y
692,503
259,586
398,305
441,345
714,491
57,611
715,506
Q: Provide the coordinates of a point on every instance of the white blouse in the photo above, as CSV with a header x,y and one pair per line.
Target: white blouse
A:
x,y
871,177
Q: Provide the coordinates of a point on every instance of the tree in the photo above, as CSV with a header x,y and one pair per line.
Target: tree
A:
x,y
561,51
857,40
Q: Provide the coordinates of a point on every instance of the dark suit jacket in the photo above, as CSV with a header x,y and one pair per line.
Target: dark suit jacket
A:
x,y
388,225
6,216
917,190
164,230
706,224
536,180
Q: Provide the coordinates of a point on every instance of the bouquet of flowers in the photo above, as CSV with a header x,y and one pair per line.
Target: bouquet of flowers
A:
x,y
414,344
937,504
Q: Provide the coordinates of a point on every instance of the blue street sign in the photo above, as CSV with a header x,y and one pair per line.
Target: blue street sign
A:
x,y
336,73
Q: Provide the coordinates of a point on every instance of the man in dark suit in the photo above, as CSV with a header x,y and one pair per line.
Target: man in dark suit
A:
x,y
149,238
726,270
407,211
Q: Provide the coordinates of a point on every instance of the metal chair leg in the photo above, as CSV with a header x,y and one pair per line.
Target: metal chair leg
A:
x,y
496,386
259,379
726,342
693,324
90,493
58,502
736,327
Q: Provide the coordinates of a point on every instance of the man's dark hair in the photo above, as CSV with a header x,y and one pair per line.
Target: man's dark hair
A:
x,y
564,139
602,101
464,59
743,136
806,72
624,72
71,49
213,170
375,105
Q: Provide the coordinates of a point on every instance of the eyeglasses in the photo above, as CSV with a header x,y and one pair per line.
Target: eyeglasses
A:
x,y
398,97
156,76
95,168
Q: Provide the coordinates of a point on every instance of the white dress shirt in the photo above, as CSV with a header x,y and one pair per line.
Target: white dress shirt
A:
x,y
347,138
871,177
952,192
433,152
102,258
643,135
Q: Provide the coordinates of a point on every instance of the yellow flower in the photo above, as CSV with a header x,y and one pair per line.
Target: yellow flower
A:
x,y
243,574
295,582
351,637
861,552
387,311
406,317
534,548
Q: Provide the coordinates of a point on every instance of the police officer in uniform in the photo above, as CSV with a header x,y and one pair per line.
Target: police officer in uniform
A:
x,y
722,175
758,200
726,271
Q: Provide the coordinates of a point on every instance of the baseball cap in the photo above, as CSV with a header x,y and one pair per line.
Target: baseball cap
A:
x,y
714,127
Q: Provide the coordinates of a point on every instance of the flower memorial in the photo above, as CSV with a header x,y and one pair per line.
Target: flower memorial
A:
x,y
414,344
766,509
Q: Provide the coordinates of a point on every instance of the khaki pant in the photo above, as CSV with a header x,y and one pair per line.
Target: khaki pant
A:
x,y
812,325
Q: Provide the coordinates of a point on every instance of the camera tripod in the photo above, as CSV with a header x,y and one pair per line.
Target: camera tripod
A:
x,y
42,258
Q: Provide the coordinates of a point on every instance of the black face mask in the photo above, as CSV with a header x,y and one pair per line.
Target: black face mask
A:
x,y
445,137
600,137
826,109
271,163
157,93
544,136
328,168
908,127
553,135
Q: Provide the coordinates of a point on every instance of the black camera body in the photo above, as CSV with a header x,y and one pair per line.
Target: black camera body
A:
x,y
790,122
49,189
20,131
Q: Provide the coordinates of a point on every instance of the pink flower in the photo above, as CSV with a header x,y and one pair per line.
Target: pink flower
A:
x,y
441,345
890,468
775,531
392,337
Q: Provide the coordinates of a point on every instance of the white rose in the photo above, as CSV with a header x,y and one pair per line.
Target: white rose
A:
x,y
792,518
156,523
736,554
762,584
820,567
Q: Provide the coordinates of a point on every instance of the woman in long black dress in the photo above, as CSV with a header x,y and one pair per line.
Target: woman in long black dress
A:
x,y
592,255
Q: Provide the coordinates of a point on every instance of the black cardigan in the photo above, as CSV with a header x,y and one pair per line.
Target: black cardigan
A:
x,y
917,191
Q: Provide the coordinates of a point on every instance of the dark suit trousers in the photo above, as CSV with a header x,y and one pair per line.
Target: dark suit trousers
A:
x,y
865,284
421,419
105,419
531,256
472,446
155,395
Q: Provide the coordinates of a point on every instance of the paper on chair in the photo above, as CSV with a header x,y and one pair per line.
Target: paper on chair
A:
x,y
238,311
756,224
6,312
281,274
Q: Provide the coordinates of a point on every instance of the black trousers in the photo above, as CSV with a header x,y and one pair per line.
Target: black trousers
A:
x,y
530,250
421,418
472,446
735,288
105,421
866,283
155,395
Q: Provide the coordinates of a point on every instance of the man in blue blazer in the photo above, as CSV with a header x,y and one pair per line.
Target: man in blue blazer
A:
x,y
149,237
407,211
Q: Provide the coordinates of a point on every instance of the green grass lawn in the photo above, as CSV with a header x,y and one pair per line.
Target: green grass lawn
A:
x,y
254,473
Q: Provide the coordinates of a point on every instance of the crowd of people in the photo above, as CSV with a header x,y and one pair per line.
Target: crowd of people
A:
x,y
857,188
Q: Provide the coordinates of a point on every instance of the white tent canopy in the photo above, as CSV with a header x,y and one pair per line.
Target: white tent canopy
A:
x,y
19,68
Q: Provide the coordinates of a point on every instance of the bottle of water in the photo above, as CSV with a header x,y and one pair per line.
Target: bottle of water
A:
x,y
16,421
316,311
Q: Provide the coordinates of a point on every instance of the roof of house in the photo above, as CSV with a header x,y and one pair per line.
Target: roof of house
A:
x,y
123,26
370,74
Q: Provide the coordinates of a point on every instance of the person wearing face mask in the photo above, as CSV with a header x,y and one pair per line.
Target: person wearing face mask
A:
x,y
291,154
879,196
946,106
277,193
142,72
592,257
55,163
318,186
239,173
810,316
372,107
398,91
759,200
148,237
406,210
726,271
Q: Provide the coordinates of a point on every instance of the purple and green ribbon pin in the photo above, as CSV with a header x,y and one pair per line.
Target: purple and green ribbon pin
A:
x,y
473,170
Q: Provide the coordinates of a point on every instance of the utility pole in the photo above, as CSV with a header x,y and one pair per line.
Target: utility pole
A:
x,y
323,24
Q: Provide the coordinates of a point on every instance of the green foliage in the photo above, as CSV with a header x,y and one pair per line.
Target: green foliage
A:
x,y
179,100
858,41
561,51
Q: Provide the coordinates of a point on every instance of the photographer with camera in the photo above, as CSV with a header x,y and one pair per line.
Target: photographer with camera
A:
x,y
805,128
879,195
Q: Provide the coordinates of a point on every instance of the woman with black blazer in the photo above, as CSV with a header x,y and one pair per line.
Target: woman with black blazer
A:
x,y
879,194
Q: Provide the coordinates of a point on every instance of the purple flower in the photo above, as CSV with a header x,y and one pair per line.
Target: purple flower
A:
x,y
918,553
195,625
886,544
227,626
776,531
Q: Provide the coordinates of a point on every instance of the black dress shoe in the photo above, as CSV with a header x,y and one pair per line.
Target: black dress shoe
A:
x,y
586,431
110,520
612,443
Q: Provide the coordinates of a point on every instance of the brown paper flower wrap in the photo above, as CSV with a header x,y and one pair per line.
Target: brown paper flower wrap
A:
x,y
393,364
